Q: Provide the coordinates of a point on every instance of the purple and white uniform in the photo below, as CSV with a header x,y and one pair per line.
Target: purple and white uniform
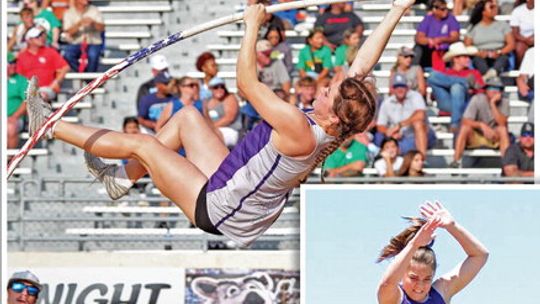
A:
x,y
250,188
434,297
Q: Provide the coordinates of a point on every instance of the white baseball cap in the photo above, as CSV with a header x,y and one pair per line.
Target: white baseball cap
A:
x,y
34,32
159,62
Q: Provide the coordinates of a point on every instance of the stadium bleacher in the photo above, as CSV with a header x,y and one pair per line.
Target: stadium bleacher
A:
x,y
53,205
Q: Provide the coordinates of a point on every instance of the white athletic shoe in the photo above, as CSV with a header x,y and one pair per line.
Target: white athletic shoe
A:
x,y
38,109
105,173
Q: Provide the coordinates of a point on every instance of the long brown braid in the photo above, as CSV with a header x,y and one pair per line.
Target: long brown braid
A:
x,y
424,255
355,108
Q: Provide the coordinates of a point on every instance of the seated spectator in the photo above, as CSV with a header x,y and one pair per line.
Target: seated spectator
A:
x,y
351,40
522,23
388,162
413,164
159,65
83,26
463,6
402,116
224,112
434,34
272,72
335,21
23,287
206,63
525,80
188,89
47,20
130,126
16,41
152,105
16,107
280,47
349,159
315,59
305,91
453,87
485,122
42,61
492,38
519,158
413,73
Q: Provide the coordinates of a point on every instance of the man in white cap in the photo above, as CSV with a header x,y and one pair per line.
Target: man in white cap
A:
x,y
159,64
42,61
454,86
23,287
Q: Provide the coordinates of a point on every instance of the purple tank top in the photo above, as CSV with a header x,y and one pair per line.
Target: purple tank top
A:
x,y
434,297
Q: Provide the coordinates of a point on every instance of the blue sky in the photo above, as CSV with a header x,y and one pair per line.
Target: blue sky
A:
x,y
346,228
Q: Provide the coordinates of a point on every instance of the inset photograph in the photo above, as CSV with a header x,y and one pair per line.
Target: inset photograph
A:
x,y
420,244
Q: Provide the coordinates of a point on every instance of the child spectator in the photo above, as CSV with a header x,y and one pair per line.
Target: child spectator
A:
x,y
83,26
413,164
16,41
388,162
434,34
315,59
492,38
484,122
305,91
280,47
519,158
522,23
349,159
16,107
335,21
414,74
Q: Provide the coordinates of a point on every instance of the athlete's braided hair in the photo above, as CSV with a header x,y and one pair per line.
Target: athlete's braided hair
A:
x,y
424,255
355,108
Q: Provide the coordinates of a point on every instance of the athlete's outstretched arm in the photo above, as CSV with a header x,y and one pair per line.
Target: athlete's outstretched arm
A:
x,y
293,132
477,254
371,50
389,291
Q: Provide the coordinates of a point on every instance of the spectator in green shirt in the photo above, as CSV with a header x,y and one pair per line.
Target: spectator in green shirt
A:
x,y
47,20
315,59
351,39
16,107
349,159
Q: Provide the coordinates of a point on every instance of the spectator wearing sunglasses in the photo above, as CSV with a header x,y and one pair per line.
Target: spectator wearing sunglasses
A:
x,y
223,111
519,158
435,33
414,74
492,38
23,287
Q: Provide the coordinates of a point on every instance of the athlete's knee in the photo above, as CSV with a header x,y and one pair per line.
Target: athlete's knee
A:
x,y
143,143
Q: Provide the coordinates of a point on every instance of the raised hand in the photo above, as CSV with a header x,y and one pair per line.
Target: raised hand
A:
x,y
436,211
254,15
427,233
